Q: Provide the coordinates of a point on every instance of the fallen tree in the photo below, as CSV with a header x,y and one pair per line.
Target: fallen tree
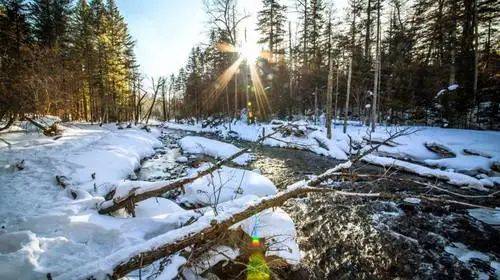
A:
x,y
203,230
51,130
208,227
137,195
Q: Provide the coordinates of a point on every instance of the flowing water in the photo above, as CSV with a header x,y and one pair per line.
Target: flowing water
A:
x,y
356,238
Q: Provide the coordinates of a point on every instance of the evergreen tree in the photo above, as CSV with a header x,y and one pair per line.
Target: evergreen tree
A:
x,y
50,21
271,24
15,61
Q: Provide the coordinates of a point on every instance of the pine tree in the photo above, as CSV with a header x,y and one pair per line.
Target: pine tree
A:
x,y
83,54
15,63
271,25
50,21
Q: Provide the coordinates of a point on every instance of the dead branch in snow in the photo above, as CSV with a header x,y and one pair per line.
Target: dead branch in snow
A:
x,y
208,233
135,196
361,152
51,130
213,231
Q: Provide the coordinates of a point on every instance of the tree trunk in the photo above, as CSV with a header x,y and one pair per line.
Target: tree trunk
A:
x,y
453,70
476,59
164,102
349,77
291,69
336,93
329,101
346,111
368,30
156,89
377,72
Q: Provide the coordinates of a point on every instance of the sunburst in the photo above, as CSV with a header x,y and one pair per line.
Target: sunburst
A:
x,y
250,53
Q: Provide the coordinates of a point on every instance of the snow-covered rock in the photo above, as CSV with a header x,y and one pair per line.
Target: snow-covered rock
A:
x,y
213,148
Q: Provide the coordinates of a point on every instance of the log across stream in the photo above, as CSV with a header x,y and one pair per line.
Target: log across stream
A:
x,y
356,238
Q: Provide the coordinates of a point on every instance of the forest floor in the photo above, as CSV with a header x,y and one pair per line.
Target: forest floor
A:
x,y
46,230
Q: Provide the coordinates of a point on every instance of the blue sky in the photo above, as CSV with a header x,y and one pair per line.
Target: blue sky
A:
x,y
166,30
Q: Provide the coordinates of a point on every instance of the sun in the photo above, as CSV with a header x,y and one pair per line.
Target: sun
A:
x,y
250,52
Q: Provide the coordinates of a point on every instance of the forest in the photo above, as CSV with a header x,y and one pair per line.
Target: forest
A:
x,y
249,139
409,62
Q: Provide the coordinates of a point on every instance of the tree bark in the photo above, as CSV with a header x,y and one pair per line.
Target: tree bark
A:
x,y
329,101
346,109
377,72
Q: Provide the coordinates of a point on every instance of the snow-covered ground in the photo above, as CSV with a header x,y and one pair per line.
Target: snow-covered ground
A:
x,y
43,229
46,229
474,165
475,162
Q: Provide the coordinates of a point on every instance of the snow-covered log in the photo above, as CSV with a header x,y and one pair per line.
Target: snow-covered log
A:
x,y
137,195
217,227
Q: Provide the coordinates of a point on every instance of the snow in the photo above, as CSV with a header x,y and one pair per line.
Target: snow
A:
x,y
412,200
278,229
408,152
473,163
460,251
226,184
465,255
44,230
450,177
452,87
213,148
156,206
491,217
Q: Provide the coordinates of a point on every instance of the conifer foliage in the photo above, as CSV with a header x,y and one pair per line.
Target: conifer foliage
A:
x,y
390,60
73,59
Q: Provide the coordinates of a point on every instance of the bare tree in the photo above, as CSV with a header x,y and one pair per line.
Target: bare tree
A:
x,y
349,77
226,19
156,88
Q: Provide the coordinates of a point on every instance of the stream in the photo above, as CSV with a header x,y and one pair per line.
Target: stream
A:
x,y
359,238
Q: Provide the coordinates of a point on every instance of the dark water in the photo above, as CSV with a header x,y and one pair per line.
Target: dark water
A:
x,y
356,238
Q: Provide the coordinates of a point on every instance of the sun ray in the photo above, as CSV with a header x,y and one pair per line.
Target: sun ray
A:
x,y
221,83
226,47
263,105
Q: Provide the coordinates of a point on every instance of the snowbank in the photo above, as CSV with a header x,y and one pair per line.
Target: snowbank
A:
x,y
213,148
491,217
278,229
476,152
44,230
224,185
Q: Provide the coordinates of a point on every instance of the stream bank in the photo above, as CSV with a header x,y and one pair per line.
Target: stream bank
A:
x,y
356,238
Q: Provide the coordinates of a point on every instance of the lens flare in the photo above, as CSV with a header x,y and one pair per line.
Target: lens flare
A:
x,y
250,52
257,268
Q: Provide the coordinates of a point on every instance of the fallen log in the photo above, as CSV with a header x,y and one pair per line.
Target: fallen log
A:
x,y
217,227
51,130
439,149
208,228
138,195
